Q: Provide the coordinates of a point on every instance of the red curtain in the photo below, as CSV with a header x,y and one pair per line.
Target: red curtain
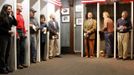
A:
x,y
91,1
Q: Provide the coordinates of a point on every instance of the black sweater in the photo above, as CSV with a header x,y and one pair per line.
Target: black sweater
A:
x,y
6,24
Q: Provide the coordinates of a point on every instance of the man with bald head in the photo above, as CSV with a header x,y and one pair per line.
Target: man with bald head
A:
x,y
21,35
123,27
54,35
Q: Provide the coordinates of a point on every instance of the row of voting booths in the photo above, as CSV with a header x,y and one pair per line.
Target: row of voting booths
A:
x,y
115,8
45,7
48,7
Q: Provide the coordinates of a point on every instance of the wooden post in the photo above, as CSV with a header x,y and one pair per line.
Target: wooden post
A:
x,y
71,6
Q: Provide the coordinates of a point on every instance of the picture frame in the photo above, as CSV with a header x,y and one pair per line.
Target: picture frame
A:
x,y
78,8
78,21
65,11
65,18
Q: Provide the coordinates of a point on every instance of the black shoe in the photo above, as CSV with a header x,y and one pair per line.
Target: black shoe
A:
x,y
25,66
43,59
119,58
33,61
50,57
124,58
3,71
20,67
9,69
58,56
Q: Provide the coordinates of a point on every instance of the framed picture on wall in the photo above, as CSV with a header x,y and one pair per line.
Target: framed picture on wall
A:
x,y
65,18
65,11
78,8
78,21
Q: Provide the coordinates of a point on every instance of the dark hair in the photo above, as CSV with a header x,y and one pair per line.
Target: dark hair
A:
x,y
3,12
42,16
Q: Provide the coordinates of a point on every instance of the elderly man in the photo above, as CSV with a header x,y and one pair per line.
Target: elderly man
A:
x,y
123,27
54,35
21,35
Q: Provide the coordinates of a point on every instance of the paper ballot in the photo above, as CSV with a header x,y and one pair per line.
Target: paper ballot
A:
x,y
44,30
34,27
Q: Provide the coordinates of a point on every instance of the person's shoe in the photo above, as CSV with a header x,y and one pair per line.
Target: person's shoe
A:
x,y
43,59
25,66
9,69
124,58
87,56
58,56
91,56
33,61
3,71
20,67
50,57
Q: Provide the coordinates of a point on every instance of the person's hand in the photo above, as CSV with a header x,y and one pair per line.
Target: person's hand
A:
x,y
11,14
124,27
57,33
24,35
31,25
89,32
11,32
18,37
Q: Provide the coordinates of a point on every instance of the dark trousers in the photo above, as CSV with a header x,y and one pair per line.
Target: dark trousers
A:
x,y
5,42
33,46
20,50
109,43
43,51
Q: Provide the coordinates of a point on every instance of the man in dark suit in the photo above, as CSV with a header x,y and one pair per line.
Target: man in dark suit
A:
x,y
54,36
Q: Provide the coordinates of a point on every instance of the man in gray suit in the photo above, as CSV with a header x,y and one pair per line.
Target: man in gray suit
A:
x,y
54,36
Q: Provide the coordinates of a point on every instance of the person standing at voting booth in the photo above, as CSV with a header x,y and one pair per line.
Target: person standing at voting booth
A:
x,y
89,34
21,37
54,36
34,26
43,36
108,30
7,20
123,28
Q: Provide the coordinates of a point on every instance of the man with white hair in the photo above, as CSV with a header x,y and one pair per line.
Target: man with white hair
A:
x,y
54,35
21,36
123,27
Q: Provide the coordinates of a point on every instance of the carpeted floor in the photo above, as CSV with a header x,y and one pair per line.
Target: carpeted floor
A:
x,y
75,65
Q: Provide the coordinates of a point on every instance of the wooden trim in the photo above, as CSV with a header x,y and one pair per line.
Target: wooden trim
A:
x,y
71,6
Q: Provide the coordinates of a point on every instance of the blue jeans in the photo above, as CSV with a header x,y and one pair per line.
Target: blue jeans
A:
x,y
33,46
109,42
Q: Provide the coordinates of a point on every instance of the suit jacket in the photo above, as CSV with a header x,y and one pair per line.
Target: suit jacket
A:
x,y
90,25
53,29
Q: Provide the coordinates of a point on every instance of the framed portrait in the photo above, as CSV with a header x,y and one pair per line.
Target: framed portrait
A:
x,y
65,11
65,18
78,21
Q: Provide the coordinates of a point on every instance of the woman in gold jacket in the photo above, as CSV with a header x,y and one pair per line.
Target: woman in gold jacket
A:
x,y
89,34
